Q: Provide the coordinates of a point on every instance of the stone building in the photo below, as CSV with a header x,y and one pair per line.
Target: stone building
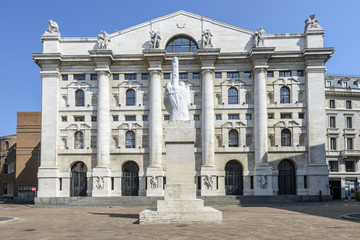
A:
x,y
255,105
343,146
18,174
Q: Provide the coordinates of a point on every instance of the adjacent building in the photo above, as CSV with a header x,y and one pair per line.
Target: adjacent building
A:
x,y
257,107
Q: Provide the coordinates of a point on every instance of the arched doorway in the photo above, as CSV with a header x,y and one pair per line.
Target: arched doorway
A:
x,y
233,178
78,180
287,178
130,179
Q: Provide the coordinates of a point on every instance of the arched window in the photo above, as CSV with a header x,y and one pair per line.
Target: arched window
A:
x,y
233,178
130,98
79,140
79,98
78,180
232,96
130,179
233,138
287,178
130,139
6,145
285,137
284,95
181,44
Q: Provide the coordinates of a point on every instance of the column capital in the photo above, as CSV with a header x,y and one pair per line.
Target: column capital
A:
x,y
102,58
260,56
207,70
55,74
154,57
102,70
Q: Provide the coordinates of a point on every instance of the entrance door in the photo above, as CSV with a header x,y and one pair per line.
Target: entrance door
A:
x,y
335,189
130,179
287,178
233,178
78,180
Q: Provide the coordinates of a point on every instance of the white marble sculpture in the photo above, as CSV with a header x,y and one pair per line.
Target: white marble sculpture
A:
x,y
100,182
260,36
312,23
53,28
155,39
153,182
177,95
207,37
103,40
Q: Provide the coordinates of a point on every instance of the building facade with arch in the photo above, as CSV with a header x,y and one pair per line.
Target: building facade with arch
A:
x,y
255,107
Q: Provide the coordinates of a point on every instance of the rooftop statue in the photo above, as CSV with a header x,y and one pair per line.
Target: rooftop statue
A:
x,y
103,40
177,95
155,39
52,28
312,23
259,37
207,36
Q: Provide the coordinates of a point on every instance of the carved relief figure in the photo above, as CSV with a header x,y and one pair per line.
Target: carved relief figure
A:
x,y
208,182
259,37
155,39
263,181
53,27
100,182
153,182
312,22
207,36
177,96
103,40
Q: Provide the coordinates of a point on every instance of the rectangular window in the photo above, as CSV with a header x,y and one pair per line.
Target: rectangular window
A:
x,y
166,117
332,122
130,118
332,103
248,139
285,115
116,77
196,75
248,116
218,116
93,77
348,104
93,142
349,143
300,73
183,76
64,118
65,77
328,84
270,74
344,84
93,118
79,77
285,74
115,118
270,116
251,182
350,166
332,143
247,74
79,118
301,115
305,181
145,118
130,76
196,117
233,75
166,75
334,166
349,122
60,184
144,76
218,75
112,183
233,116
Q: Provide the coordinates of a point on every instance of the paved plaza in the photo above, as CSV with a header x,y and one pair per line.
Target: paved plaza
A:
x,y
290,221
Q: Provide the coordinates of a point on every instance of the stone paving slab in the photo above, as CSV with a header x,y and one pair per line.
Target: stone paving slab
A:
x,y
290,221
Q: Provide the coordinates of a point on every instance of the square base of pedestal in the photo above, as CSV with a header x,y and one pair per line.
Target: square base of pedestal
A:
x,y
207,215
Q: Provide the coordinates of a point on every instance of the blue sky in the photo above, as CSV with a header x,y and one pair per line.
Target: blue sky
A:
x,y
23,22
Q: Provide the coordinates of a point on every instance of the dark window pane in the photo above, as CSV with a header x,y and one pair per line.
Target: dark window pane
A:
x,y
218,75
166,75
79,77
144,76
284,95
79,98
116,77
130,98
232,96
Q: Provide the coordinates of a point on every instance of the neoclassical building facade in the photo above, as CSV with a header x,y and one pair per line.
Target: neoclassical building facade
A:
x,y
257,107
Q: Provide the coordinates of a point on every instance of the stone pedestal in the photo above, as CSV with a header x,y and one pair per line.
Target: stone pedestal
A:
x,y
263,180
180,204
208,181
155,181
101,181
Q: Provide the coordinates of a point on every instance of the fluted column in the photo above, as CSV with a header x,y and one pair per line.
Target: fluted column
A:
x,y
155,119
207,119
103,118
260,117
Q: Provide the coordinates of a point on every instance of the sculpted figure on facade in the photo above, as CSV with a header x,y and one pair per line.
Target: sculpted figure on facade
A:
x,y
155,39
207,37
177,95
208,182
259,37
103,40
312,23
263,181
153,182
100,182
53,27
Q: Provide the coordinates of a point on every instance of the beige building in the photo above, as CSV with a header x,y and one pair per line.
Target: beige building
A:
x,y
258,116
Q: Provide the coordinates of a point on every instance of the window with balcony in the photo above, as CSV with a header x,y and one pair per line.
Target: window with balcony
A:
x,y
285,137
233,138
130,98
284,95
79,98
232,96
